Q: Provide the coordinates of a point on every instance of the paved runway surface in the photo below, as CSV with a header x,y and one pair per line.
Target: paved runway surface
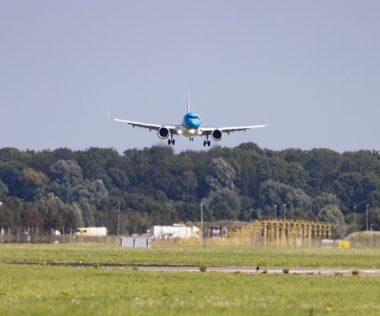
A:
x,y
277,270
226,269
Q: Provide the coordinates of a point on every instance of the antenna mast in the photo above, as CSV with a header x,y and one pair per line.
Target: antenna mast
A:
x,y
188,102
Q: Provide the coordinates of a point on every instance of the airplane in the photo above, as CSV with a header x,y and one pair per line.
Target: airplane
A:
x,y
190,127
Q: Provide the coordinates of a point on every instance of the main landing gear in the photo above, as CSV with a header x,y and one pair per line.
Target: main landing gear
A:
x,y
171,141
207,142
191,139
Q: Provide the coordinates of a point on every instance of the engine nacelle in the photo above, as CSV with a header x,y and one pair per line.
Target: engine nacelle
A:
x,y
217,134
163,132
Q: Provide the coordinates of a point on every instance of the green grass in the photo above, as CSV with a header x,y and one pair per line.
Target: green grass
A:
x,y
191,255
64,290
46,290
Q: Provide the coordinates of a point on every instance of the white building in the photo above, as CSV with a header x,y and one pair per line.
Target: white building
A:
x,y
175,231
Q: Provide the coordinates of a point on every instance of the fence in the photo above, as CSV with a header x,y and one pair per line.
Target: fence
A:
x,y
17,235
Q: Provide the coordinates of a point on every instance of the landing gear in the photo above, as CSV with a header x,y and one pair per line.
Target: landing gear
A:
x,y
171,141
206,143
191,139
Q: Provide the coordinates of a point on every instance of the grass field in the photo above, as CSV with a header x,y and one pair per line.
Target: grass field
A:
x,y
46,290
66,290
191,255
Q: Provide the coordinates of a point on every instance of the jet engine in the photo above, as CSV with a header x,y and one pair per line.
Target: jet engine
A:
x,y
163,132
217,134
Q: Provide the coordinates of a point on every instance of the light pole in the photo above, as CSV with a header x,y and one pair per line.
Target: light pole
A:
x,y
275,211
366,217
202,220
118,218
284,205
355,207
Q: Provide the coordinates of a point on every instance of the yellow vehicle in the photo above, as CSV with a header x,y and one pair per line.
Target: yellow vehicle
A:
x,y
91,231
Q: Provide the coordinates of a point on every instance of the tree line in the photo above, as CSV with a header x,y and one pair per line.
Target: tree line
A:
x,y
64,189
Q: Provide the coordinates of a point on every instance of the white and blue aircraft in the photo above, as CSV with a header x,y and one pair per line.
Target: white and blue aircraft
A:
x,y
190,128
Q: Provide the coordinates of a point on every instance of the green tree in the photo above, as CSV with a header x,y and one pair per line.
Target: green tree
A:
x,y
276,193
3,188
221,175
332,214
223,204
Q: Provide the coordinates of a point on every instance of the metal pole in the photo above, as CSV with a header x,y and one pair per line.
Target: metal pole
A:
x,y
118,219
202,220
284,205
275,211
355,206
366,217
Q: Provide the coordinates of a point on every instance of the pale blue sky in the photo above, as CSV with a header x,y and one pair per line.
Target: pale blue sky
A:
x,y
310,68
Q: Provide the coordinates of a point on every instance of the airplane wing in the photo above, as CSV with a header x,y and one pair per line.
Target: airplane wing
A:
x,y
139,124
173,128
228,130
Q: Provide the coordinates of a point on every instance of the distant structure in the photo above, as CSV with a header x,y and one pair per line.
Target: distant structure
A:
x,y
216,231
176,231
284,232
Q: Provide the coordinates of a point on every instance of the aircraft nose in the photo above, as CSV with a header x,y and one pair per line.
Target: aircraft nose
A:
x,y
194,123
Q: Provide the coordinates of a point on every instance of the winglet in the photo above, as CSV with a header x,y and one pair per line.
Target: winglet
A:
x,y
188,102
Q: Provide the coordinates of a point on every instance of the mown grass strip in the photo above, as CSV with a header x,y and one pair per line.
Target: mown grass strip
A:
x,y
45,290
191,255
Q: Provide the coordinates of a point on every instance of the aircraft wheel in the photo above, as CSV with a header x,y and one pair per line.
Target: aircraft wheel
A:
x,y
169,142
173,142
209,143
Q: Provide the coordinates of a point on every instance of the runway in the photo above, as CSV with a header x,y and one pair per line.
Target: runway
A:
x,y
268,270
218,269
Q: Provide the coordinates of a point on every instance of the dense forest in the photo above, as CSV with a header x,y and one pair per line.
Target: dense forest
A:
x,y
64,189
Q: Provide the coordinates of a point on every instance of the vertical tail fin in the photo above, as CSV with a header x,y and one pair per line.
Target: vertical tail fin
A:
x,y
188,102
